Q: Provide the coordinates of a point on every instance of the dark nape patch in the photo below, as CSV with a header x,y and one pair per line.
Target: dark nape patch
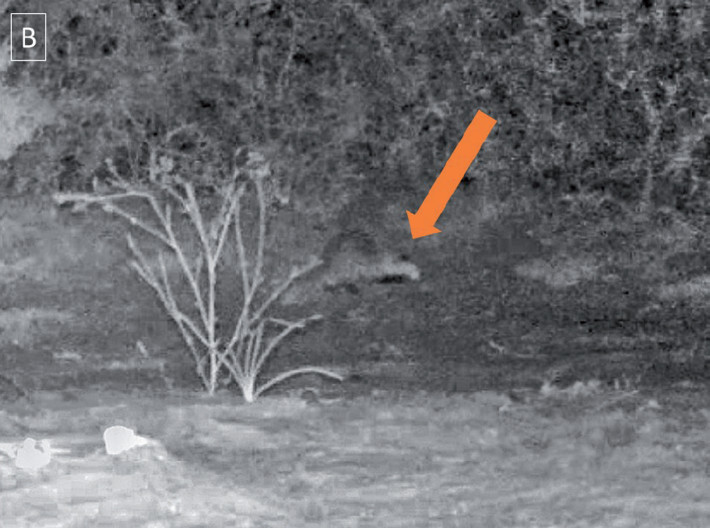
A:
x,y
391,279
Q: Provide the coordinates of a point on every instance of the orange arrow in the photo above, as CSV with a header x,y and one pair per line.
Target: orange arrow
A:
x,y
422,223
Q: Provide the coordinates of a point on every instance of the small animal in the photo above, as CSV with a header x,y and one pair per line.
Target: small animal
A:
x,y
349,260
118,439
31,454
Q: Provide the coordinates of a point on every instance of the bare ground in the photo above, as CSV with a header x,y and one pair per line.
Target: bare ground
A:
x,y
461,408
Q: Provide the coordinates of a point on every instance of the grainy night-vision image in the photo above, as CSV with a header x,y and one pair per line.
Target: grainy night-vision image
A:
x,y
354,263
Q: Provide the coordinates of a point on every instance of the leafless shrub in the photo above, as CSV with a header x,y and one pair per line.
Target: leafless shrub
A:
x,y
241,354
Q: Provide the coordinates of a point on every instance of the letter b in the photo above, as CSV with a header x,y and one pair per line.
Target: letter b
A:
x,y
28,35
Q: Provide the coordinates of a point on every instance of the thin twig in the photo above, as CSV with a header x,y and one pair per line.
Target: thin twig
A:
x,y
302,370
251,364
263,356
285,285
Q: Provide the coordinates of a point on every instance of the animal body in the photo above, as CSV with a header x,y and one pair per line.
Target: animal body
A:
x,y
352,259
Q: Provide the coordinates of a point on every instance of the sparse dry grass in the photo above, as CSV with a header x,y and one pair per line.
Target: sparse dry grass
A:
x,y
393,460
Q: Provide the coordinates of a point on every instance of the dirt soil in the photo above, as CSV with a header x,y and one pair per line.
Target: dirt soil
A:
x,y
540,372
389,459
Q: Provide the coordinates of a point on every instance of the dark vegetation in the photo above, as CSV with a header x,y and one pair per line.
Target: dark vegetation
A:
x,y
576,239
